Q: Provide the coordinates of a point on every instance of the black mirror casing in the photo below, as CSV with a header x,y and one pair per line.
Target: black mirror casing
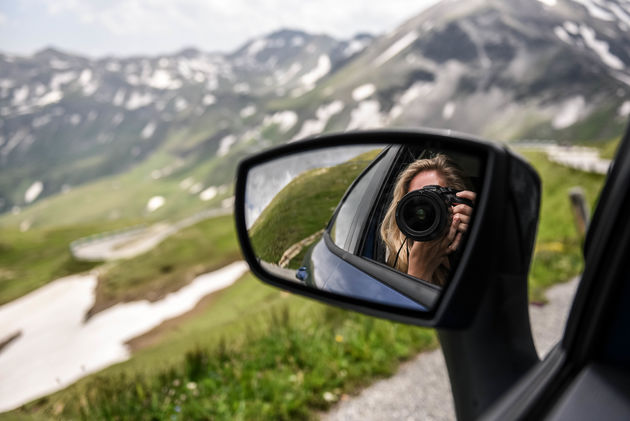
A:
x,y
500,242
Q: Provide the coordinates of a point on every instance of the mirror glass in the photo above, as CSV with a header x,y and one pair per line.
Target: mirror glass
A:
x,y
386,223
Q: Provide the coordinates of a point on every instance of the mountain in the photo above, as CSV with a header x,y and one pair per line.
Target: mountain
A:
x,y
84,139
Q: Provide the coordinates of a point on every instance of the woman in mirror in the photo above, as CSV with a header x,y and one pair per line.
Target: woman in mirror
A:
x,y
427,260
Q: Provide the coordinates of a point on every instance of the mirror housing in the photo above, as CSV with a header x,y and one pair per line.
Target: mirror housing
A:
x,y
499,245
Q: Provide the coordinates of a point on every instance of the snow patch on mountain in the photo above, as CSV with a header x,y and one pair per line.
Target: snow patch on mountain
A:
x,y
562,34
363,92
155,203
225,144
323,114
248,111
396,48
138,99
601,48
162,79
20,95
208,194
365,116
595,10
570,112
60,79
448,110
283,77
33,191
209,99
148,130
322,69
284,119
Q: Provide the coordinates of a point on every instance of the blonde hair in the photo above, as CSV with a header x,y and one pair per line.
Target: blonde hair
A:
x,y
452,177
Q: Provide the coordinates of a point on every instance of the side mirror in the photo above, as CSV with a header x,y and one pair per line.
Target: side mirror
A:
x,y
410,226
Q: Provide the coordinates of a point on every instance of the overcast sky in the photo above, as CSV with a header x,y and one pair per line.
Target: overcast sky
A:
x,y
125,27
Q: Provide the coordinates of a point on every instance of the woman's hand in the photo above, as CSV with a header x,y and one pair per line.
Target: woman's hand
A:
x,y
461,214
426,256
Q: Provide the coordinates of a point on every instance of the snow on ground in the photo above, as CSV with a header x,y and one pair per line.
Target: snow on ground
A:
x,y
448,110
48,98
148,130
562,34
622,15
208,194
225,144
41,120
570,113
162,79
595,11
601,48
363,92
323,114
63,78
365,116
20,95
57,347
571,27
256,46
283,77
248,111
86,81
354,47
33,191
323,67
155,203
138,100
396,48
285,119
209,99
180,104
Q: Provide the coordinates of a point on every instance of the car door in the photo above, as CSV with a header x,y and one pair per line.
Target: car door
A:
x,y
587,375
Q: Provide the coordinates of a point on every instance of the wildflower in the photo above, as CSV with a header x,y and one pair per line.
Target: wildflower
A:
x,y
339,338
191,386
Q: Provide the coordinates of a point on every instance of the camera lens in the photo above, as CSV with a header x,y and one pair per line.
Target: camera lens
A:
x,y
421,215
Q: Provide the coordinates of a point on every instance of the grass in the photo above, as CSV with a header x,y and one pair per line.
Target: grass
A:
x,y
283,358
203,247
303,207
29,260
257,353
558,252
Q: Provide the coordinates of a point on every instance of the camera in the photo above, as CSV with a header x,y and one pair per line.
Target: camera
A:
x,y
422,215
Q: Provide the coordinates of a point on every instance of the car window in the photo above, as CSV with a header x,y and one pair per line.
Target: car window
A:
x,y
351,214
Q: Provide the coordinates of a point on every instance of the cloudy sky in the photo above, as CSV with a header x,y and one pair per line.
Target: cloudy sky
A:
x,y
125,27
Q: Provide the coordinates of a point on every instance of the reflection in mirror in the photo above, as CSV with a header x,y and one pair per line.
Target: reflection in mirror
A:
x,y
384,223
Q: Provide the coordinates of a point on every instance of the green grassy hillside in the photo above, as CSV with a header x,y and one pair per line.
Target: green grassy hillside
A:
x,y
303,207
558,252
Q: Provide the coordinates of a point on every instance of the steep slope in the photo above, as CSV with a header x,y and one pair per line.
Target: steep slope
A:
x,y
175,126
500,69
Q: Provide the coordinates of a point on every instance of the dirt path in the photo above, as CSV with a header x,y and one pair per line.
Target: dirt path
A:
x,y
420,389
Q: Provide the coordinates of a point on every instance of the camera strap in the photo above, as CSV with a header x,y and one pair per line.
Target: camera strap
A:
x,y
398,254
